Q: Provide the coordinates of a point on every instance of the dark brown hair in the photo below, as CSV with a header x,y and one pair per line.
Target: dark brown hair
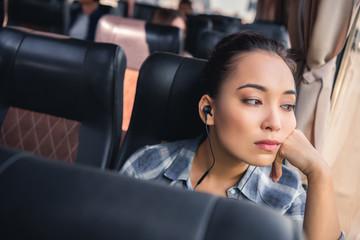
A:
x,y
230,48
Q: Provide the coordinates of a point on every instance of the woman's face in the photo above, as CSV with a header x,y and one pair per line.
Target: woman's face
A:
x,y
253,112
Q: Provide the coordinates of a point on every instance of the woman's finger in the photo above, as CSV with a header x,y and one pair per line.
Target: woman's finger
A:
x,y
277,168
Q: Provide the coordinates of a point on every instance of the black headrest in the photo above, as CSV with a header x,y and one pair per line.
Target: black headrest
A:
x,y
206,43
50,14
223,23
163,38
47,199
209,38
195,26
166,103
270,30
144,11
67,78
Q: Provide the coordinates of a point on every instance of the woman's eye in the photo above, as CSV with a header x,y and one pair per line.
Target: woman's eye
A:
x,y
288,107
252,101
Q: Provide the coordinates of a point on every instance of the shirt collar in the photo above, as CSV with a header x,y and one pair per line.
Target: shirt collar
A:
x,y
248,183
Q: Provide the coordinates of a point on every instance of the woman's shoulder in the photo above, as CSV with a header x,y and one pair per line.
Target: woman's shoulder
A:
x,y
155,159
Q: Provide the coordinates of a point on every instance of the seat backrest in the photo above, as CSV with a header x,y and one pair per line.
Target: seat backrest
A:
x,y
144,11
195,26
78,83
138,39
41,198
45,15
270,30
223,23
166,103
209,38
206,43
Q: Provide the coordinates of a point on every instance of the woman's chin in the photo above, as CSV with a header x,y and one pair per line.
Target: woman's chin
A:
x,y
262,161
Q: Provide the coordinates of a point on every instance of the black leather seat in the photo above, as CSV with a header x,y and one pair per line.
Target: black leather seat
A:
x,y
270,30
166,103
53,200
223,23
45,15
144,11
79,85
195,26
206,43
209,38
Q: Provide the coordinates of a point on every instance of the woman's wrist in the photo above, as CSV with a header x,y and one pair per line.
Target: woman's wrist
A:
x,y
318,170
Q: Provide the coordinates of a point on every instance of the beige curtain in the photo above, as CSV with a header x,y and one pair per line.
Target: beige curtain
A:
x,y
318,30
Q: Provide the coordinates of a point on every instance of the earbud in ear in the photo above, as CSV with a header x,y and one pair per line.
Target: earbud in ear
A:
x,y
207,110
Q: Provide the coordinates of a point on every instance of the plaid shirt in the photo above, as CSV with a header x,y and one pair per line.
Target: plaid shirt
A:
x,y
171,163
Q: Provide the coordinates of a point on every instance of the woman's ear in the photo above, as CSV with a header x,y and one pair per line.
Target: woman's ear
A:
x,y
206,109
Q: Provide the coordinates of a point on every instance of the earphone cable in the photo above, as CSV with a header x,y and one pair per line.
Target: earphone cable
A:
x,y
212,154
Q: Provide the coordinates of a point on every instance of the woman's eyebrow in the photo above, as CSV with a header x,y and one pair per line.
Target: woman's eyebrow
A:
x,y
290,92
264,89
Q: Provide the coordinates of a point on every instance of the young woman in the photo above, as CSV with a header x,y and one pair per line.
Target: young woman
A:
x,y
249,110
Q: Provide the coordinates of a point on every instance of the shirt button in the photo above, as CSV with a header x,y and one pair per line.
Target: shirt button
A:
x,y
232,191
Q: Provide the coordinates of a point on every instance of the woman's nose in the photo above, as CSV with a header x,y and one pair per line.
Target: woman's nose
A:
x,y
271,121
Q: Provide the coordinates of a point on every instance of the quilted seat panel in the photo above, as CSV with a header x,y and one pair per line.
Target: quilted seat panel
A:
x,y
41,134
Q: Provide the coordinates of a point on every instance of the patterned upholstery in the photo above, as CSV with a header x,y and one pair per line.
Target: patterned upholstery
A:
x,y
41,134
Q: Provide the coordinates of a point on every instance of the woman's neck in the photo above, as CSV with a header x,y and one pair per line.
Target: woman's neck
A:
x,y
226,172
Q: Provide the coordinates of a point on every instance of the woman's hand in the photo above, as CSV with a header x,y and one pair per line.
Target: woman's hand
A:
x,y
320,199
300,153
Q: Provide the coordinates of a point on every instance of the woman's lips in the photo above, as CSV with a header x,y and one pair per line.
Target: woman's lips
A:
x,y
268,145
